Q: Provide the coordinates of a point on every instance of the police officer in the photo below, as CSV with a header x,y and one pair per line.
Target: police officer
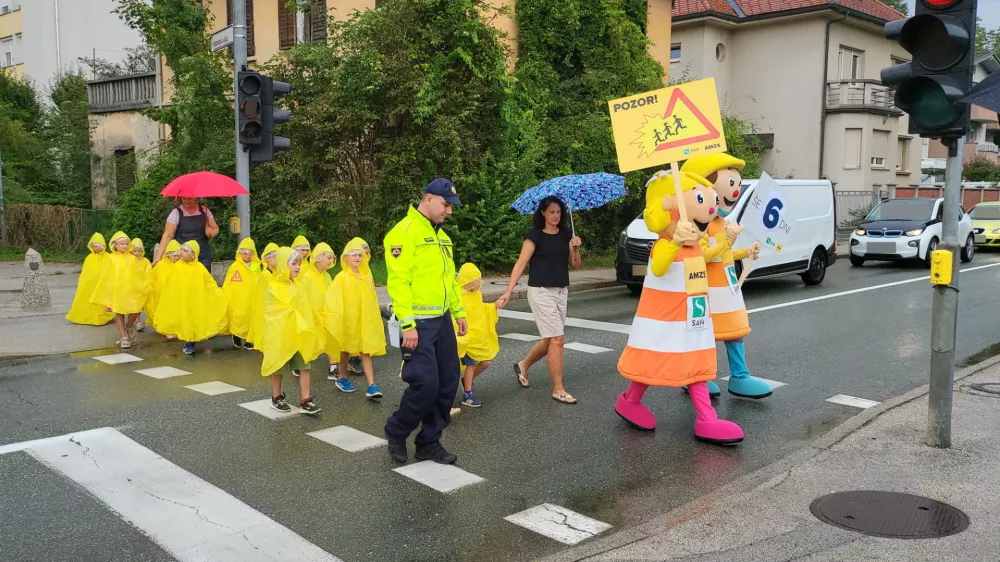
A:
x,y
425,297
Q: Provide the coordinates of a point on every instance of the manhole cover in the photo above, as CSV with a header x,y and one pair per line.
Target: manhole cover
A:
x,y
889,514
988,387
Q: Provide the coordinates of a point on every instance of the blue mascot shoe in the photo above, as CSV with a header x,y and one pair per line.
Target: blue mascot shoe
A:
x,y
713,389
749,387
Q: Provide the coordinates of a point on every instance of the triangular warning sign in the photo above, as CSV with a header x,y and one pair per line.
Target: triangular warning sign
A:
x,y
681,124
236,278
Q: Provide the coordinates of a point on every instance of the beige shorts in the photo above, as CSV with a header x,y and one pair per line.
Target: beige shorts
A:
x,y
548,306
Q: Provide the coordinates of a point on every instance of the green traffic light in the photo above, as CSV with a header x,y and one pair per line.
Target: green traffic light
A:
x,y
927,103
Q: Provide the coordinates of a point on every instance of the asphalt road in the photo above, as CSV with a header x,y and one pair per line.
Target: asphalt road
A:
x,y
870,343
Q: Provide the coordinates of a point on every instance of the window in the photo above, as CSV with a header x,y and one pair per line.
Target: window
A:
x,y
675,52
287,28
6,52
317,22
851,64
251,51
852,149
880,149
124,169
897,60
903,164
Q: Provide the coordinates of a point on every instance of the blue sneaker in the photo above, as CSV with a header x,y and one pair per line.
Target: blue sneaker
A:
x,y
373,391
749,387
345,385
471,401
189,349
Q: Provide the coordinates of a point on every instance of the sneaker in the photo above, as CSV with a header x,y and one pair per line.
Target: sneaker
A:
x,y
333,375
126,343
139,326
280,405
237,342
354,366
471,401
373,391
345,385
309,407
248,346
397,448
189,349
435,452
295,372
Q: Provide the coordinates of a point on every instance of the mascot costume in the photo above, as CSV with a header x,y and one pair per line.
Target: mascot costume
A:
x,y
729,313
671,342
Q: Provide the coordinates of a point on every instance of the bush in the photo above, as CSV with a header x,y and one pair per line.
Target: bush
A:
x,y
981,169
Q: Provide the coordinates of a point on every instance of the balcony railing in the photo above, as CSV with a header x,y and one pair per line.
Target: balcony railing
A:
x,y
987,147
122,94
860,95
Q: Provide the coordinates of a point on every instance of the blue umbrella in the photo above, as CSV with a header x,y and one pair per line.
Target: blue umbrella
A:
x,y
578,192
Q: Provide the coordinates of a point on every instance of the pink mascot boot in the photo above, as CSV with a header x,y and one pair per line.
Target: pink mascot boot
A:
x,y
630,408
707,426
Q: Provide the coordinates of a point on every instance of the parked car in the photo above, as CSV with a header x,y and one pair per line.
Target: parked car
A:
x,y
986,223
808,253
906,229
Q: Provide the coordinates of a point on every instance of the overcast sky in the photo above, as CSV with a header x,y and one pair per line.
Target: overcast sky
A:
x,y
989,12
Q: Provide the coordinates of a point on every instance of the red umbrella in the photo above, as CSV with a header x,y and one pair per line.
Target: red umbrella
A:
x,y
204,184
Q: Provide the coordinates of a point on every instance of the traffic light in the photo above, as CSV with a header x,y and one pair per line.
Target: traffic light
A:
x,y
941,37
248,100
271,115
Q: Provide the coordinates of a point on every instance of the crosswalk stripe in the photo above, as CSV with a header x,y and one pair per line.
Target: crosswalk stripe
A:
x,y
163,372
853,401
558,523
348,438
520,337
441,477
214,388
263,407
586,348
574,322
117,358
774,384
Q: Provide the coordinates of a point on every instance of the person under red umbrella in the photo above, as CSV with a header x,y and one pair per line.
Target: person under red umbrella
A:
x,y
190,221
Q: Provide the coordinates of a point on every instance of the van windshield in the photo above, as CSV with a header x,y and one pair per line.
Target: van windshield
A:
x,y
902,209
988,212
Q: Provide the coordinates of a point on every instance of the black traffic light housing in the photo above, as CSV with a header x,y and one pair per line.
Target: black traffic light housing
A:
x,y
941,36
250,87
271,115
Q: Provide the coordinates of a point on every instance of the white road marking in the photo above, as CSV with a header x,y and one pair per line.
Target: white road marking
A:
x,y
574,322
188,517
586,348
347,438
263,407
852,401
442,477
117,358
774,384
520,337
558,523
162,372
35,443
214,388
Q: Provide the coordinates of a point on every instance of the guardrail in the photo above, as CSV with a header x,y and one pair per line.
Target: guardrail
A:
x,y
122,94
860,94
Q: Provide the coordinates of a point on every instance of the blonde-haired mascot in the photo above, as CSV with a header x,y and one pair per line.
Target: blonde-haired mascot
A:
x,y
729,313
671,342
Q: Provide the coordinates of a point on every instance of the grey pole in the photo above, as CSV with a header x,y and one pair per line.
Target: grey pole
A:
x,y
944,311
3,213
242,156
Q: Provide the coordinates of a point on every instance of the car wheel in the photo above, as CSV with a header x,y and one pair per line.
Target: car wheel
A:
x,y
636,289
857,261
817,269
931,246
969,250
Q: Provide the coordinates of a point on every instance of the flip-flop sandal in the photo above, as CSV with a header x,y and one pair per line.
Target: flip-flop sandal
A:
x,y
565,399
521,379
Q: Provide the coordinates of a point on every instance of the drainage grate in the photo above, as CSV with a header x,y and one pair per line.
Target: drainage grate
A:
x,y
889,514
988,387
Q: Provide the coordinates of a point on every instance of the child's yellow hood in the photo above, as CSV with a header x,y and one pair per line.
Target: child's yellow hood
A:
x,y
301,242
247,244
96,239
195,247
468,273
271,247
136,243
172,247
118,236
281,270
318,252
356,245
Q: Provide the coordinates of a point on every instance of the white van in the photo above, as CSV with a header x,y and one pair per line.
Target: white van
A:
x,y
808,253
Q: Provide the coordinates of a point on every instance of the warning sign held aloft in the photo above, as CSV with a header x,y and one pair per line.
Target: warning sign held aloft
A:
x,y
667,125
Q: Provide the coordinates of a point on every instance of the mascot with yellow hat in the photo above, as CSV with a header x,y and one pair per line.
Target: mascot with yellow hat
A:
x,y
671,342
729,313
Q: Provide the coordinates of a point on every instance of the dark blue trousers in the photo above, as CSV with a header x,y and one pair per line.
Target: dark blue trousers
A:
x,y
432,372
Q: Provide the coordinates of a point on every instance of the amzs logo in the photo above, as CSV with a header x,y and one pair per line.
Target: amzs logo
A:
x,y
697,275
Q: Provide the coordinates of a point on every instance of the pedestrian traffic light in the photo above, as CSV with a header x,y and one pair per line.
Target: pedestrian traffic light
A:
x,y
271,115
941,37
248,101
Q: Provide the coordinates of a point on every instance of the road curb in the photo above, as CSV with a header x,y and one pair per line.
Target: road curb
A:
x,y
732,492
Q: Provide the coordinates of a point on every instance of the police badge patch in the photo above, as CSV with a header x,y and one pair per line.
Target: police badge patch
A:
x,y
396,250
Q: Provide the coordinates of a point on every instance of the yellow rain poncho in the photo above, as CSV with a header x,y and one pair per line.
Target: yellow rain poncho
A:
x,y
290,325
353,319
160,274
192,307
314,284
256,333
480,343
145,268
299,242
83,311
240,287
123,285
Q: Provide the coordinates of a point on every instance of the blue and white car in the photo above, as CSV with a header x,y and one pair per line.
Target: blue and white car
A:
x,y
907,229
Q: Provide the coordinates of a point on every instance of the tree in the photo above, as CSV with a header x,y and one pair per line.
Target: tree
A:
x,y
138,60
987,41
898,5
69,135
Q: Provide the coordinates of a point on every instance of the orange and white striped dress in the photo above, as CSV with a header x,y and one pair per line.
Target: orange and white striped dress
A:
x,y
672,342
729,312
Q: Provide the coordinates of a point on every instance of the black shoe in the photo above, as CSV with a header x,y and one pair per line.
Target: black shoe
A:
x,y
435,452
309,406
280,405
248,346
397,449
237,342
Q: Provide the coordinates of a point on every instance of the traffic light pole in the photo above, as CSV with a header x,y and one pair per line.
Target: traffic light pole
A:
x,y
944,311
242,156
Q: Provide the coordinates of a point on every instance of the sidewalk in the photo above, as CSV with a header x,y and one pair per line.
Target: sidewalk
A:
x,y
44,332
766,516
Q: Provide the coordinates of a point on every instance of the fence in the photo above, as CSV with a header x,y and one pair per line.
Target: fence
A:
x,y
53,228
853,206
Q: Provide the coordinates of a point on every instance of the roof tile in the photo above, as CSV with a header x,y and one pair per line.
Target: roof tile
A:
x,y
873,8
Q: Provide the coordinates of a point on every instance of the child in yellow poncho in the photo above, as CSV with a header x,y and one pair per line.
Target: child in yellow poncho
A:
x,y
480,344
314,281
192,306
289,332
146,272
122,287
160,274
353,320
240,287
256,334
301,245
354,366
83,311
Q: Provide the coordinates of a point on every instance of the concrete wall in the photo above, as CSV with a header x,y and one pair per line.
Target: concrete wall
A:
x,y
118,131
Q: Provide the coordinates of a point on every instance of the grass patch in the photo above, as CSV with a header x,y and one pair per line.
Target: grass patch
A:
x,y
17,254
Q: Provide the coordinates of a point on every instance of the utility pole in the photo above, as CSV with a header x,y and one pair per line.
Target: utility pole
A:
x,y
242,156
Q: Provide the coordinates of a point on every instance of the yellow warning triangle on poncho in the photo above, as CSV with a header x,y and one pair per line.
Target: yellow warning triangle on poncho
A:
x,y
240,288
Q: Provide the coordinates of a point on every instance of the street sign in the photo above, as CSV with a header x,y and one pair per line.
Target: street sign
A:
x,y
768,217
667,125
222,38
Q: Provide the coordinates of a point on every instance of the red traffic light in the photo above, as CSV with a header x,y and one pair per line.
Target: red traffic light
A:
x,y
939,4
